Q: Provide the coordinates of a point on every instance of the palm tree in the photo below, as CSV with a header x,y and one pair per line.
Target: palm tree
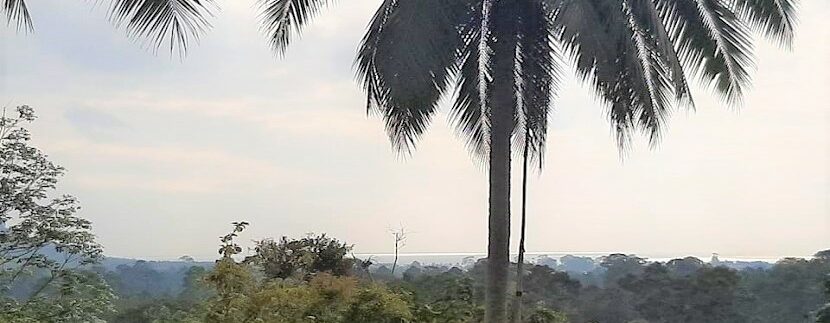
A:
x,y
497,56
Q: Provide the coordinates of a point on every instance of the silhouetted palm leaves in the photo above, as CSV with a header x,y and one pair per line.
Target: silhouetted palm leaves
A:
x,y
17,13
175,22
284,19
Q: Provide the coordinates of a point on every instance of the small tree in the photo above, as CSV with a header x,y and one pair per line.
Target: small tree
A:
x,y
41,239
400,242
301,258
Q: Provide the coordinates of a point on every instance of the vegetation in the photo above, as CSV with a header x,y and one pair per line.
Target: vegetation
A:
x,y
823,314
51,272
43,245
635,54
630,290
681,290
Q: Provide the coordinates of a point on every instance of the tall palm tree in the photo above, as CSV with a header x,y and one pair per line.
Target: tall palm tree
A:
x,y
497,57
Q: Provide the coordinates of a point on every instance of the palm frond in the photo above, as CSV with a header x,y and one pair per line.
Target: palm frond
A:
x,y
713,42
284,19
591,42
653,19
468,113
539,68
776,19
615,46
175,22
405,63
659,62
17,13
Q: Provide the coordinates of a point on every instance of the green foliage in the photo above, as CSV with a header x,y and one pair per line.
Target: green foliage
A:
x,y
453,300
823,314
77,297
543,315
142,280
620,265
321,297
301,258
229,247
710,295
195,287
324,298
375,303
679,291
42,243
160,310
550,288
788,292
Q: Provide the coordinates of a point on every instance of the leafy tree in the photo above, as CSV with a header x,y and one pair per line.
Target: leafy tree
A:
x,y
375,303
303,257
195,285
141,280
659,297
552,289
714,296
607,305
187,258
445,298
42,239
685,266
788,292
413,272
620,265
709,295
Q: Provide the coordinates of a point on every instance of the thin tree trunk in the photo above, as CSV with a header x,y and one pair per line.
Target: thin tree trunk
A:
x,y
517,301
395,263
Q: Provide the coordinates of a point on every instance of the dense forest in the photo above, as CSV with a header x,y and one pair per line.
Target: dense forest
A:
x,y
314,279
52,270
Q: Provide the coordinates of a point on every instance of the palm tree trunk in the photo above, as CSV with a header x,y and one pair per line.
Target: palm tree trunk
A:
x,y
501,96
498,248
517,301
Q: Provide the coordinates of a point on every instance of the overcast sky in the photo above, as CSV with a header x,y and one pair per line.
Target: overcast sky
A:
x,y
164,153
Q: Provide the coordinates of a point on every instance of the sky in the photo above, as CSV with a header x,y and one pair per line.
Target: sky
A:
x,y
164,152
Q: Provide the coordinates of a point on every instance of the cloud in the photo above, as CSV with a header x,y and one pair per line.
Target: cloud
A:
x,y
318,116
94,122
172,169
